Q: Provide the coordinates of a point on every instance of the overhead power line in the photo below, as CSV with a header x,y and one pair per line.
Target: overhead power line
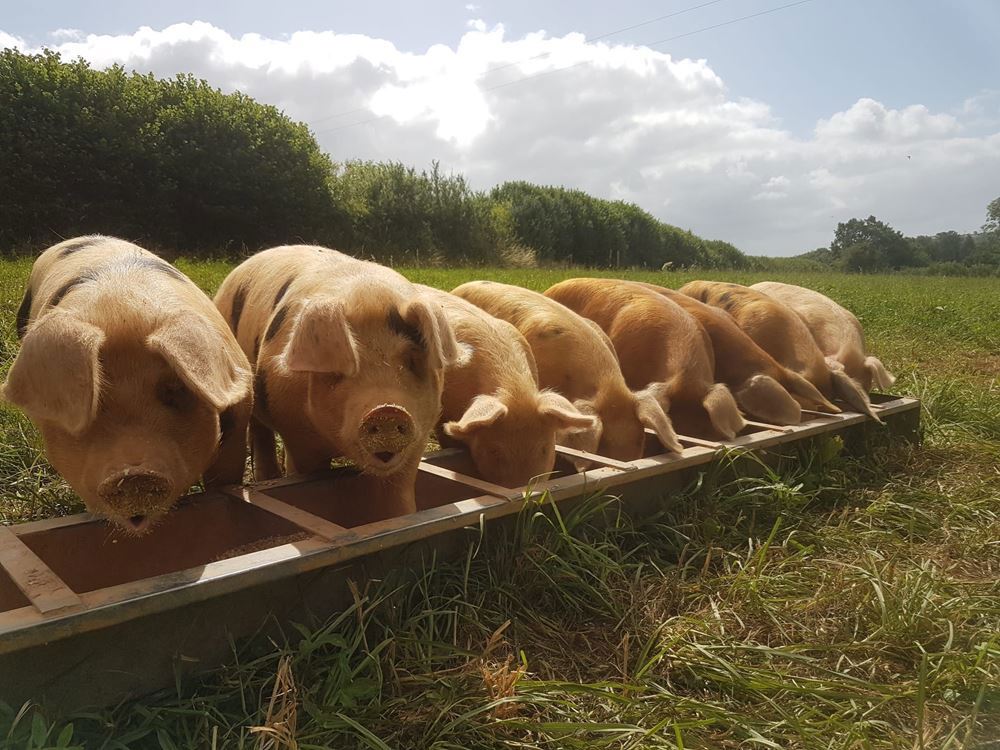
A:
x,y
545,73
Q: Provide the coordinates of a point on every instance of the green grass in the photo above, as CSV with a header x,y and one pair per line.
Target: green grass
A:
x,y
830,602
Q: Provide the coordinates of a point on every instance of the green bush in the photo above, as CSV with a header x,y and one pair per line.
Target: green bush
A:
x,y
182,168
172,163
569,226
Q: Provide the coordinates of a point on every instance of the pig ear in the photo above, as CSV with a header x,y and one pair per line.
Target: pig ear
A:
x,y
482,412
321,340
722,411
659,392
563,415
582,440
764,397
852,393
209,361
651,414
56,376
430,320
808,395
881,377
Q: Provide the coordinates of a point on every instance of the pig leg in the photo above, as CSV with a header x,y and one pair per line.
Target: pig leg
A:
x,y
265,460
229,463
305,452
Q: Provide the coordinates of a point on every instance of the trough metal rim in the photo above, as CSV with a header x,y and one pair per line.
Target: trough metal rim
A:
x,y
332,545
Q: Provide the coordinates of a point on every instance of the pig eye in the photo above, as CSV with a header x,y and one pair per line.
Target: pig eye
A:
x,y
174,394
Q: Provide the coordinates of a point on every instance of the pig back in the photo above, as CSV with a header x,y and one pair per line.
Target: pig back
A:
x,y
655,339
573,354
775,328
737,356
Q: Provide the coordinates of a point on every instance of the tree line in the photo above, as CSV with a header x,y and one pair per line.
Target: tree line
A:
x,y
872,246
182,167
185,169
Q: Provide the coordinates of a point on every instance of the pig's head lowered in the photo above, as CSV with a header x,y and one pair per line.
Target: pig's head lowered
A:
x,y
375,360
131,410
512,438
625,415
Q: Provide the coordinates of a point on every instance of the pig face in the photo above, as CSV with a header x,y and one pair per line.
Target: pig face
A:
x,y
375,376
511,444
130,423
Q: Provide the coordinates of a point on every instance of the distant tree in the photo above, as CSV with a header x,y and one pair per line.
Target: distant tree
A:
x,y
992,217
821,255
862,257
873,243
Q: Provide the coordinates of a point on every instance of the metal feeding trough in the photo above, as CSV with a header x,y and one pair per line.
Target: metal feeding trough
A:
x,y
89,616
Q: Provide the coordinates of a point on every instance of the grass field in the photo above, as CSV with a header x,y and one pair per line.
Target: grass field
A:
x,y
836,603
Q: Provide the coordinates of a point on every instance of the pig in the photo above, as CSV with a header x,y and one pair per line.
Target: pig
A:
x,y
658,342
577,359
836,330
492,403
349,360
781,333
132,377
763,388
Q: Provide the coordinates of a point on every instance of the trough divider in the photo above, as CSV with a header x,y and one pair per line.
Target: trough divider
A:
x,y
302,518
57,522
595,458
506,493
766,426
37,581
820,414
692,440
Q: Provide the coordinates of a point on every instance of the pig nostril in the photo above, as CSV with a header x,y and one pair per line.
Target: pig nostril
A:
x,y
401,429
372,429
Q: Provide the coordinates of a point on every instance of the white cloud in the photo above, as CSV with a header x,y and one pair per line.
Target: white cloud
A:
x,y
72,34
618,121
8,41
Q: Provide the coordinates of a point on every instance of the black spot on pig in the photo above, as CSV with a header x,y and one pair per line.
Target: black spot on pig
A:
x,y
66,289
23,313
277,320
239,300
399,326
75,245
161,266
281,292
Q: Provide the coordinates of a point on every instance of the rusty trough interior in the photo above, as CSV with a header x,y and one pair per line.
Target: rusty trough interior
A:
x,y
63,569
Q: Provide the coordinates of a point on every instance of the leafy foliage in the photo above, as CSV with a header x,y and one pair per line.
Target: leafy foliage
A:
x,y
177,164
872,246
171,162
397,214
569,226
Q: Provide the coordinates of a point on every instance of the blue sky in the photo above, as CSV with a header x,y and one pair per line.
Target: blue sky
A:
x,y
784,73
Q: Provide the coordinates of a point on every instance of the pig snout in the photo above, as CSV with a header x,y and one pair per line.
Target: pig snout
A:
x,y
386,431
135,498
